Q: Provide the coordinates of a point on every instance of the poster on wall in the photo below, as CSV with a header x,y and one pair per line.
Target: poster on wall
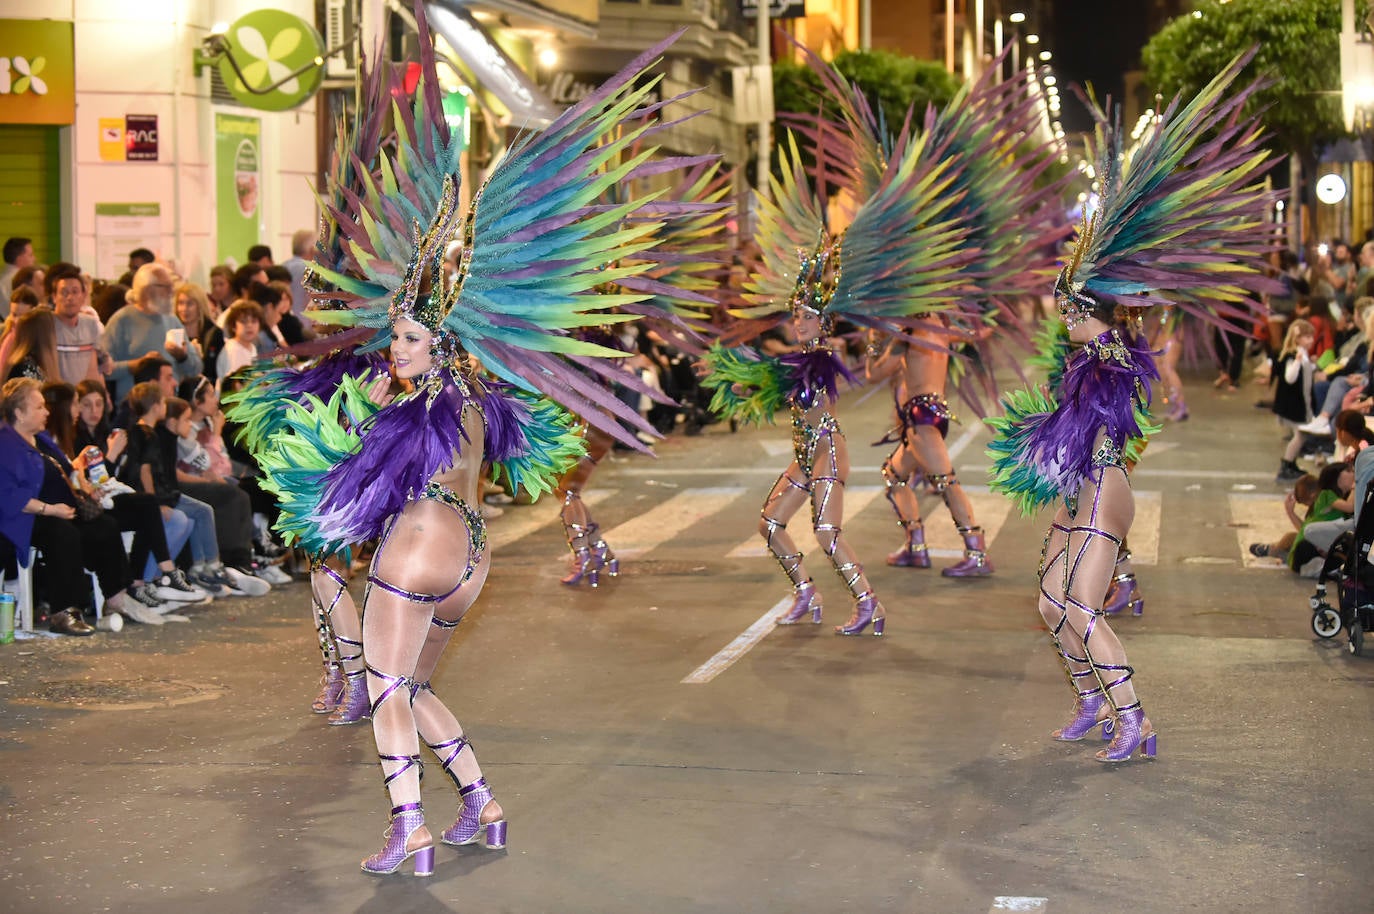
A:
x,y
238,176
121,227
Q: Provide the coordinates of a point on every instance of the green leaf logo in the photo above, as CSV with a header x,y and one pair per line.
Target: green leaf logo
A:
x,y
28,75
272,48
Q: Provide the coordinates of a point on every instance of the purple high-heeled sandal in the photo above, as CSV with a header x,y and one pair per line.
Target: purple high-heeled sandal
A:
x,y
406,819
975,562
1087,714
470,826
863,615
1130,730
331,690
915,554
807,600
605,558
353,705
1125,594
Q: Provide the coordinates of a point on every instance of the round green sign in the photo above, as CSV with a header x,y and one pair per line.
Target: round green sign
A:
x,y
268,46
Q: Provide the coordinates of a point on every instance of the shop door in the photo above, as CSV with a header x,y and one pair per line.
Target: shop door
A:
x,y
30,188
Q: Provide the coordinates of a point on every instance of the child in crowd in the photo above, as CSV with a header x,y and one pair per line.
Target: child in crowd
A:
x,y
150,466
1325,500
1294,375
242,325
232,505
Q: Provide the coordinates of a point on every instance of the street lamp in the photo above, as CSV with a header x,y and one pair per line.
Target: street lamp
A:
x,y
1032,38
1017,17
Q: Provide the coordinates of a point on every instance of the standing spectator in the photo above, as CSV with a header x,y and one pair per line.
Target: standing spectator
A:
x,y
137,258
242,323
34,353
1365,271
221,293
192,306
289,330
22,301
78,334
1293,375
33,277
261,255
302,251
149,328
18,253
243,280
108,299
1342,272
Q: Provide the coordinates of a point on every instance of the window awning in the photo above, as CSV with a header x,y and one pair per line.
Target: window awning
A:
x,y
490,64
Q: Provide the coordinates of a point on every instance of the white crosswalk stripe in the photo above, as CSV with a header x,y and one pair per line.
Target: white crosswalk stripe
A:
x,y
1258,518
519,522
662,523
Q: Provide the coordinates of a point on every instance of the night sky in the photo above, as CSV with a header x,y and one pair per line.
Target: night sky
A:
x,y
1095,42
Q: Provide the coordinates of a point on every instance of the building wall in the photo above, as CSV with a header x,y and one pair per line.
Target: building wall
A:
x,y
136,58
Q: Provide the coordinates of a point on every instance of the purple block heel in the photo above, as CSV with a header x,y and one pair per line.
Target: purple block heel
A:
x,y
406,819
1124,595
864,609
807,600
354,705
1131,732
476,796
975,562
331,691
915,553
1086,710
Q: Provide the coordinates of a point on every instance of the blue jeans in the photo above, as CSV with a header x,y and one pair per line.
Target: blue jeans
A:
x,y
204,546
1336,393
177,527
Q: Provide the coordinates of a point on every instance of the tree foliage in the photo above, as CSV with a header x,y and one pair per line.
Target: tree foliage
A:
x,y
892,82
1299,51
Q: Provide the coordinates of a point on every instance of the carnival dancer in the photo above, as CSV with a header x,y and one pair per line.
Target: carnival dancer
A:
x,y
1009,222
1179,215
891,265
681,287
407,475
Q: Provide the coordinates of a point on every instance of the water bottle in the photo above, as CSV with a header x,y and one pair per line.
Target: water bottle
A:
x,y
96,471
6,618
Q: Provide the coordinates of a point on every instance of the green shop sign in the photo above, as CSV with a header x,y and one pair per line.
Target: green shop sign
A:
x,y
238,142
272,61
37,72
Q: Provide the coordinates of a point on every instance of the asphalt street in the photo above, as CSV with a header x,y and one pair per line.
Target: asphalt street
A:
x,y
179,768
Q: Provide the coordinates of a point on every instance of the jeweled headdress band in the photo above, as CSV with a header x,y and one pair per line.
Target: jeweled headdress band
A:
x,y
1075,303
818,276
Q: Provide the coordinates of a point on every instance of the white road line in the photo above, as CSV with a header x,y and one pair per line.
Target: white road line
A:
x,y
660,524
736,649
519,522
1258,519
1019,903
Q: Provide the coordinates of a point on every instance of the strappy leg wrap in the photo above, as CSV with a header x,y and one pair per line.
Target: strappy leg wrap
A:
x,y
914,553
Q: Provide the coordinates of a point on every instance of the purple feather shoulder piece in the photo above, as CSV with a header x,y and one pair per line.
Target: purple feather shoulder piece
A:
x,y
814,373
1103,384
402,447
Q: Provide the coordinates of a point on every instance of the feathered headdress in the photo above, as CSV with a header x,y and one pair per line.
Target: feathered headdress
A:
x,y
537,239
1182,217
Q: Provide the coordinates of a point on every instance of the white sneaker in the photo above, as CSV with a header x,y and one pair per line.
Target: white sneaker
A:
x,y
140,613
249,584
275,576
175,588
1318,426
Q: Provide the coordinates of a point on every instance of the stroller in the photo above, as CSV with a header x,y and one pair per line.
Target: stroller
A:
x,y
1348,565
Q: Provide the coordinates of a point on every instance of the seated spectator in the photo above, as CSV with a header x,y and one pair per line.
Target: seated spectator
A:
x,y
192,306
38,507
1348,374
220,295
1294,375
1323,498
22,301
242,324
158,585
148,328
151,468
232,506
1351,432
34,351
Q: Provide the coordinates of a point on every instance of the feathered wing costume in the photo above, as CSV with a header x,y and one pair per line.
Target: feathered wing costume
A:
x,y
897,261
1181,217
1002,201
534,240
681,286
